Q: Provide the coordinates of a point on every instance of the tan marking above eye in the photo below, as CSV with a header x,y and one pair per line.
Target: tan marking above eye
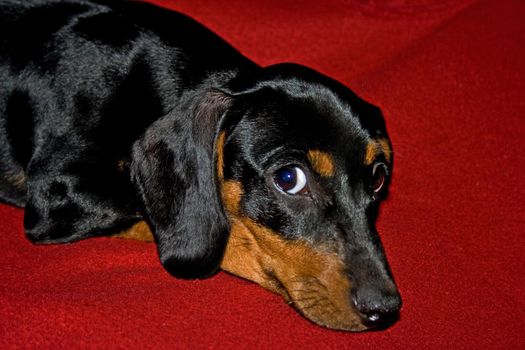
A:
x,y
384,144
371,152
376,147
321,162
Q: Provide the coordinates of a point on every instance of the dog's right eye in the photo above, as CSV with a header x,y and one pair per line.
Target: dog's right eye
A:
x,y
291,179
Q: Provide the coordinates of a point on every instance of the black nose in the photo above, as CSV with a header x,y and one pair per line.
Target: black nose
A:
x,y
378,308
380,319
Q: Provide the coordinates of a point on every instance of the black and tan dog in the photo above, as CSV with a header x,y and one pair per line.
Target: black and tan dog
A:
x,y
121,117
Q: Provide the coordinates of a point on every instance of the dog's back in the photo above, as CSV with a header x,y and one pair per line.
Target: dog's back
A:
x,y
23,53
101,70
82,81
30,58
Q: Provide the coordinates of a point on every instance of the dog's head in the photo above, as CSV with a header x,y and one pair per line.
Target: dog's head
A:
x,y
278,181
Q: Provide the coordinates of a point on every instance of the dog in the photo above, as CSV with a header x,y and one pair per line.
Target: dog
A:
x,y
123,118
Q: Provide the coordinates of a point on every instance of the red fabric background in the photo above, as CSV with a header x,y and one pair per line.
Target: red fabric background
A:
x,y
449,76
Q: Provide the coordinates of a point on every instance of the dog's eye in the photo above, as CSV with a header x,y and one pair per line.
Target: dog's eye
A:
x,y
290,179
379,173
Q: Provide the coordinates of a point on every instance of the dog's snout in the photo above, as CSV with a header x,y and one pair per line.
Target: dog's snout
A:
x,y
377,307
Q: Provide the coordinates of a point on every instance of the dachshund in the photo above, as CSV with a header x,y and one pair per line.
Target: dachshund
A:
x,y
124,118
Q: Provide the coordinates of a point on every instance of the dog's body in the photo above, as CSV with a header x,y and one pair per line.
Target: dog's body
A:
x,y
115,112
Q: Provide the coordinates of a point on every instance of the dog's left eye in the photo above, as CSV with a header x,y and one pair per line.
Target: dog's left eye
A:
x,y
379,173
291,179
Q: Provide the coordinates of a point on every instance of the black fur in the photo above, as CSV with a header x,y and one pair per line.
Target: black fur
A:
x,y
110,111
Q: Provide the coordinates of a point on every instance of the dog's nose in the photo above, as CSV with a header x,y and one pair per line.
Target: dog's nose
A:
x,y
380,319
378,308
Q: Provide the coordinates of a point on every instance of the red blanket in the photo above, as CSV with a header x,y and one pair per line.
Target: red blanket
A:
x,y
449,76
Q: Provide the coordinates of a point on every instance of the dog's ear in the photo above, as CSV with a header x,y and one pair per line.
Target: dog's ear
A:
x,y
174,169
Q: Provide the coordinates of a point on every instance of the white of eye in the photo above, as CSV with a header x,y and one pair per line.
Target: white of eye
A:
x,y
290,179
300,181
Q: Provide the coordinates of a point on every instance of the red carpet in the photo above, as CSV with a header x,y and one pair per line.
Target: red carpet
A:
x,y
449,76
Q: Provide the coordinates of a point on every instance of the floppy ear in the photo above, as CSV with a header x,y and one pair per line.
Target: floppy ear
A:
x,y
174,169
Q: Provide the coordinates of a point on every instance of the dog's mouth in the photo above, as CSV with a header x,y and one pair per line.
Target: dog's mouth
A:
x,y
325,305
328,305
313,282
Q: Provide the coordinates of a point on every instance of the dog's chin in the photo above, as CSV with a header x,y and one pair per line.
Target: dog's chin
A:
x,y
338,321
341,320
